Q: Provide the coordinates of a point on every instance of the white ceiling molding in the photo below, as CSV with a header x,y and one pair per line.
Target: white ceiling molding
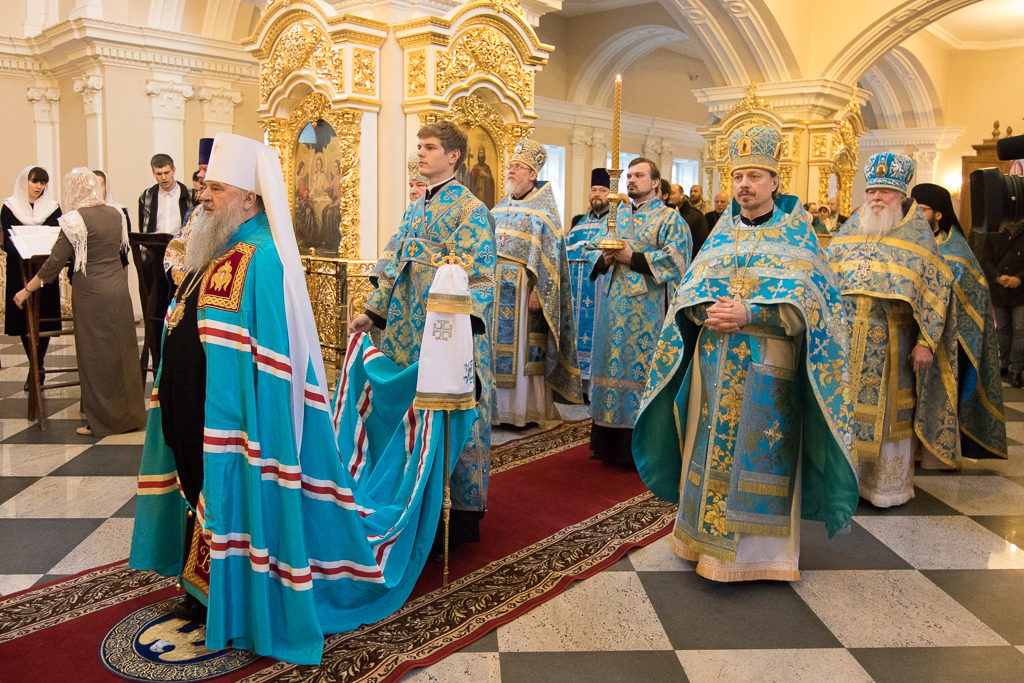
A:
x,y
918,86
724,55
568,115
942,137
64,50
594,84
166,14
219,20
806,98
887,32
885,104
955,42
759,39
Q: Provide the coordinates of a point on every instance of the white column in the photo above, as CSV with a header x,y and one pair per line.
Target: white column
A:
x,y
579,189
168,99
218,109
665,162
599,159
924,165
368,170
392,138
46,114
89,87
87,9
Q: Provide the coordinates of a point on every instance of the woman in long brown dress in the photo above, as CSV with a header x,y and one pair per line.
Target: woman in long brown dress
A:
x,y
105,340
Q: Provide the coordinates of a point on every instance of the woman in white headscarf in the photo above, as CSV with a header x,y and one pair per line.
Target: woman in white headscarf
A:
x,y
94,233
31,204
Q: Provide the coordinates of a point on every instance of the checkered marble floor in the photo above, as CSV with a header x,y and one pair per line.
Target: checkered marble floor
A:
x,y
929,591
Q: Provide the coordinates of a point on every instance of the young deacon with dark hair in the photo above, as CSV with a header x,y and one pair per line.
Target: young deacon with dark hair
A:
x,y
446,218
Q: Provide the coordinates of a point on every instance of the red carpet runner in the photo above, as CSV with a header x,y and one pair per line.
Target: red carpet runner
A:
x,y
554,517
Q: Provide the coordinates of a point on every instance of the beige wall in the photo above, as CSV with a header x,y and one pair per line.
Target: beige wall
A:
x,y
19,133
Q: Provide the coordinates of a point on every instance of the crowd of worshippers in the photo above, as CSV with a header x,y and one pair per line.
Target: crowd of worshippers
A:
x,y
747,373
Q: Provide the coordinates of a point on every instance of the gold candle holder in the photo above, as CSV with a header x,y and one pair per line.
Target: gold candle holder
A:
x,y
612,242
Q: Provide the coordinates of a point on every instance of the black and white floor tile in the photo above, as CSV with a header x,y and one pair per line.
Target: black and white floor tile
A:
x,y
929,591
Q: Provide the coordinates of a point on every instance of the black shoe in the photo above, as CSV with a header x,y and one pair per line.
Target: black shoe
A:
x,y
190,609
437,554
1016,381
1003,372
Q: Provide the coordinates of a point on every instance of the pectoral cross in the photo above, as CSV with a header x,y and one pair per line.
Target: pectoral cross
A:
x,y
738,287
863,269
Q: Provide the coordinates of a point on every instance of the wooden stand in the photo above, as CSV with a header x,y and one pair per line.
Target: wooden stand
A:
x,y
36,387
153,310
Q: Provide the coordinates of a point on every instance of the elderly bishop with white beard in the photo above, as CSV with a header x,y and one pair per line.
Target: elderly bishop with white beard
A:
x,y
896,291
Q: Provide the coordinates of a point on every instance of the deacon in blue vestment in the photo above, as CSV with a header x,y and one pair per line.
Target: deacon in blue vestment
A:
x,y
746,420
636,289
300,523
585,292
448,218
979,388
897,293
534,331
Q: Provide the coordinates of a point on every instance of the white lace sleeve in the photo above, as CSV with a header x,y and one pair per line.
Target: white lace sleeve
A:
x,y
73,227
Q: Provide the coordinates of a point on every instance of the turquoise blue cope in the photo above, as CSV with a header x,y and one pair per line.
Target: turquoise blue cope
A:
x,y
897,293
756,422
980,410
584,290
528,232
632,306
295,543
453,220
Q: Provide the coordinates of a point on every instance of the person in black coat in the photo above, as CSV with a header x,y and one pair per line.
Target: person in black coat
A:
x,y
1002,259
31,204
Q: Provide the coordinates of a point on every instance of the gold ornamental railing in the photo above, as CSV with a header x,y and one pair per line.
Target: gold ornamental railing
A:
x,y
338,289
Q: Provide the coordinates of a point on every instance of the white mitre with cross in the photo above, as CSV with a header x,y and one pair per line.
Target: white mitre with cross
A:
x,y
446,372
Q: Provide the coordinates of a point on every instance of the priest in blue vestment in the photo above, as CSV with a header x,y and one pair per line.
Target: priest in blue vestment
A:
x,y
417,187
585,292
897,293
534,334
746,420
979,388
636,288
448,218
282,521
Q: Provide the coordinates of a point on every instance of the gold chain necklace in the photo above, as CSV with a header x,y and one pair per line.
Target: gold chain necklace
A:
x,y
179,308
739,287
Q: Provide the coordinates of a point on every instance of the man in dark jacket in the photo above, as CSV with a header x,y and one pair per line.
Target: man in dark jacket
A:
x,y
694,218
158,205
721,204
1002,259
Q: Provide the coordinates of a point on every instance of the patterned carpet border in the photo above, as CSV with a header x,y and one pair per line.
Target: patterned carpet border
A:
x,y
536,446
34,610
439,623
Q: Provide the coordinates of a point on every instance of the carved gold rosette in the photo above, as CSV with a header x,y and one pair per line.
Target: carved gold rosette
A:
x,y
483,50
282,135
302,45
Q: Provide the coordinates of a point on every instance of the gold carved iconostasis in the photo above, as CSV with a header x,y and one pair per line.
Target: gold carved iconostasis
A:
x,y
812,151
322,97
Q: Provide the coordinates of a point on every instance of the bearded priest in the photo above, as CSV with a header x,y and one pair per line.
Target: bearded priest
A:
x,y
897,293
979,388
636,289
534,331
746,413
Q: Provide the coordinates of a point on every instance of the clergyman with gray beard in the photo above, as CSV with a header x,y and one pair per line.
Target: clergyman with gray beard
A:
x,y
896,290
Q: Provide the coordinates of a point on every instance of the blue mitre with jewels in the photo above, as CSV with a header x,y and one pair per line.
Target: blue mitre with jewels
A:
x,y
755,146
530,153
890,171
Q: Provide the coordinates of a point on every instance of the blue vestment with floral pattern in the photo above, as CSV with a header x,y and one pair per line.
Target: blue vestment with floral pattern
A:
x,y
453,220
758,420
